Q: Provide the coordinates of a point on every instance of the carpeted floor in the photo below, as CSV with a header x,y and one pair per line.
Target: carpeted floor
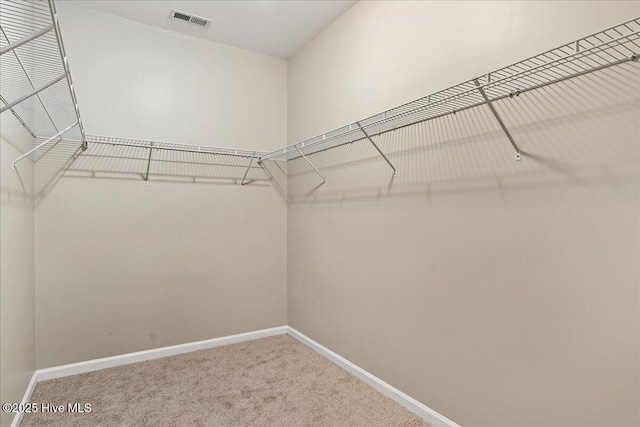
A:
x,y
275,381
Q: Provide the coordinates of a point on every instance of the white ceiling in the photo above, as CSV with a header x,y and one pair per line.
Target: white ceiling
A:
x,y
278,28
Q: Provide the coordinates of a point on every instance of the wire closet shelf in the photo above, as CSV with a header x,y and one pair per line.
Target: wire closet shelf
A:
x,y
613,46
38,89
129,142
37,86
199,156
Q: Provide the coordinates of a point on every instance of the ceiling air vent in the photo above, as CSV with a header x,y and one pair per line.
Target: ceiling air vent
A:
x,y
191,19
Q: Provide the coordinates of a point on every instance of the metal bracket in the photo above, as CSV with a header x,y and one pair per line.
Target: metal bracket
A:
x,y
146,177
246,172
36,148
324,180
502,125
395,172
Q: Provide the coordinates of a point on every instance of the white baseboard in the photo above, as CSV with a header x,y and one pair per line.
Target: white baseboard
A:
x,y
17,419
423,411
156,353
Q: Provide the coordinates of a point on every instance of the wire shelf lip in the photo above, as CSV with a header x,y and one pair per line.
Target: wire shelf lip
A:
x,y
612,46
158,145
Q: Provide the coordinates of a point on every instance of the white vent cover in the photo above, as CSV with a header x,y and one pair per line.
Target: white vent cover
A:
x,y
190,19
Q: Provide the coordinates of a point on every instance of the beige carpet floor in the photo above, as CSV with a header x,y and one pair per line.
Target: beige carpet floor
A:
x,y
275,381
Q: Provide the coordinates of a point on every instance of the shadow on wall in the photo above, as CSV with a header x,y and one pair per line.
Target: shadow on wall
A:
x,y
66,159
581,131
19,191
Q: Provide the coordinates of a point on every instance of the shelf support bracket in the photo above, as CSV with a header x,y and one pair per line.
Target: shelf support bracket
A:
x,y
395,172
36,148
146,177
324,180
27,39
30,94
247,171
500,122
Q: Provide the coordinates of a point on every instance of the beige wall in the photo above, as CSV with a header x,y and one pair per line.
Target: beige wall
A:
x,y
497,293
17,328
123,267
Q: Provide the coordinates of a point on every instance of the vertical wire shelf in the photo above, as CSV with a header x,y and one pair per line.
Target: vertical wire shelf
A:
x,y
36,83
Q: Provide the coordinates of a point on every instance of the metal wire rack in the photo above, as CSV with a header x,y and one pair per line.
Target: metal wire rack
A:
x,y
37,86
613,46
135,159
128,142
143,158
